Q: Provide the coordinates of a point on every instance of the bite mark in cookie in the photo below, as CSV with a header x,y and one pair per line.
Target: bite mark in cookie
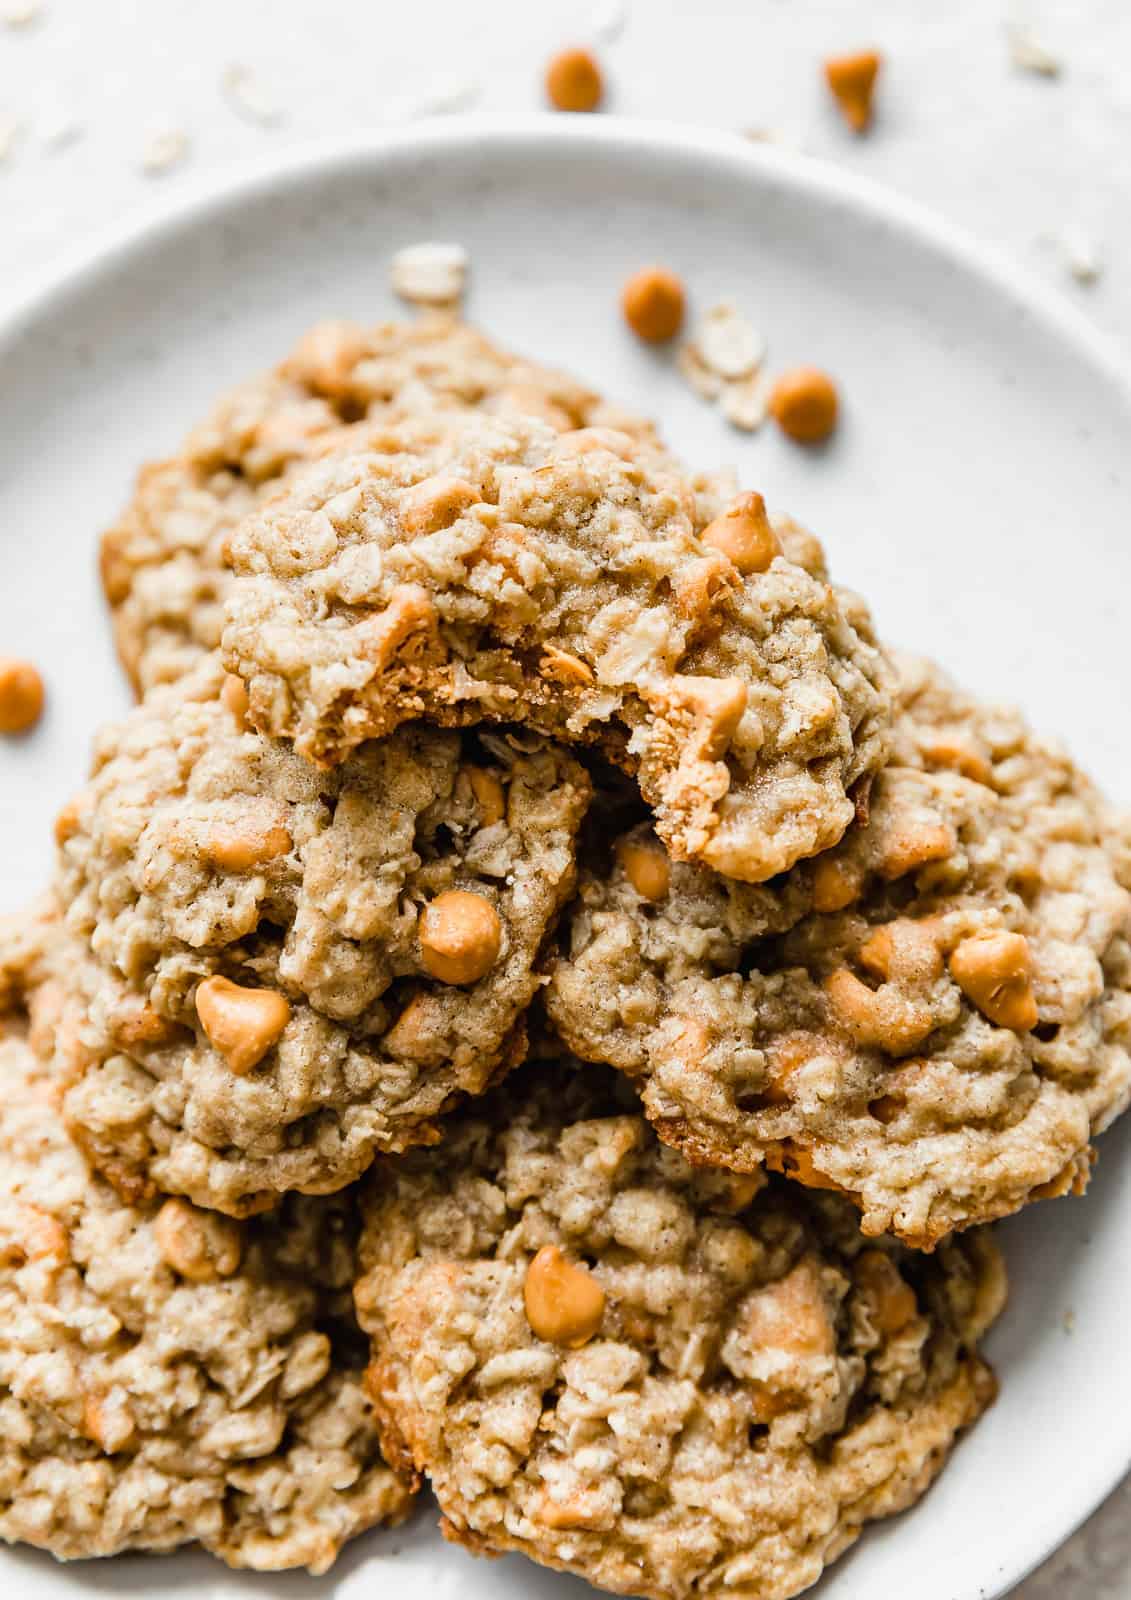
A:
x,y
467,569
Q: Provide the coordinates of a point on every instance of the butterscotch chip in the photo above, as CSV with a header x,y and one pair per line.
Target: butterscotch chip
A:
x,y
805,405
490,796
323,961
66,822
646,865
249,843
200,1245
168,1375
460,936
21,695
576,597
744,534
234,696
242,1024
995,970
852,80
923,1017
553,1278
653,304
574,81
564,1303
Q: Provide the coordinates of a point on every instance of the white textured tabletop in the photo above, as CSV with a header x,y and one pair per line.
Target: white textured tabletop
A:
x,y
107,104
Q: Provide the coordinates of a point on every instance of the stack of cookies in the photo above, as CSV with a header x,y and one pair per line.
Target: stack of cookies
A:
x,y
535,998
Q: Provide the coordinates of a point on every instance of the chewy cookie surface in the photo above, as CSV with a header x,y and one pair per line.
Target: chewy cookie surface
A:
x,y
272,973
934,1017
168,1375
669,1380
163,565
466,568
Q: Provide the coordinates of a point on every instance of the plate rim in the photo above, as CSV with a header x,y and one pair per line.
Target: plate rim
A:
x,y
200,199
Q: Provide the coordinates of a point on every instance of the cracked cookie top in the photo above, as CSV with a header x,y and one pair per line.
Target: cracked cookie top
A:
x,y
275,972
671,1380
934,1017
163,560
463,568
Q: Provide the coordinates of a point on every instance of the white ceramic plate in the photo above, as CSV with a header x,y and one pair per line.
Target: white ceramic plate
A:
x,y
975,493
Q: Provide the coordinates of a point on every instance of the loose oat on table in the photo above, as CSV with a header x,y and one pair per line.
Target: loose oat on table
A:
x,y
272,973
466,568
675,1382
249,96
1028,50
163,150
168,1375
934,1017
162,562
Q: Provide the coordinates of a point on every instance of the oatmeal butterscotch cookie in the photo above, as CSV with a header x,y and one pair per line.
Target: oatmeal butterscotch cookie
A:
x,y
470,568
162,561
274,972
934,1018
672,1381
169,1375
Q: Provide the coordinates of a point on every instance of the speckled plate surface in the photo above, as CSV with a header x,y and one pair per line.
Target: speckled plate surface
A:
x,y
976,493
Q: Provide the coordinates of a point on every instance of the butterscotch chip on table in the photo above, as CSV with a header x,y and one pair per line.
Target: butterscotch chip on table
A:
x,y
270,973
852,83
163,559
466,569
574,81
168,1375
934,1017
21,695
672,1381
